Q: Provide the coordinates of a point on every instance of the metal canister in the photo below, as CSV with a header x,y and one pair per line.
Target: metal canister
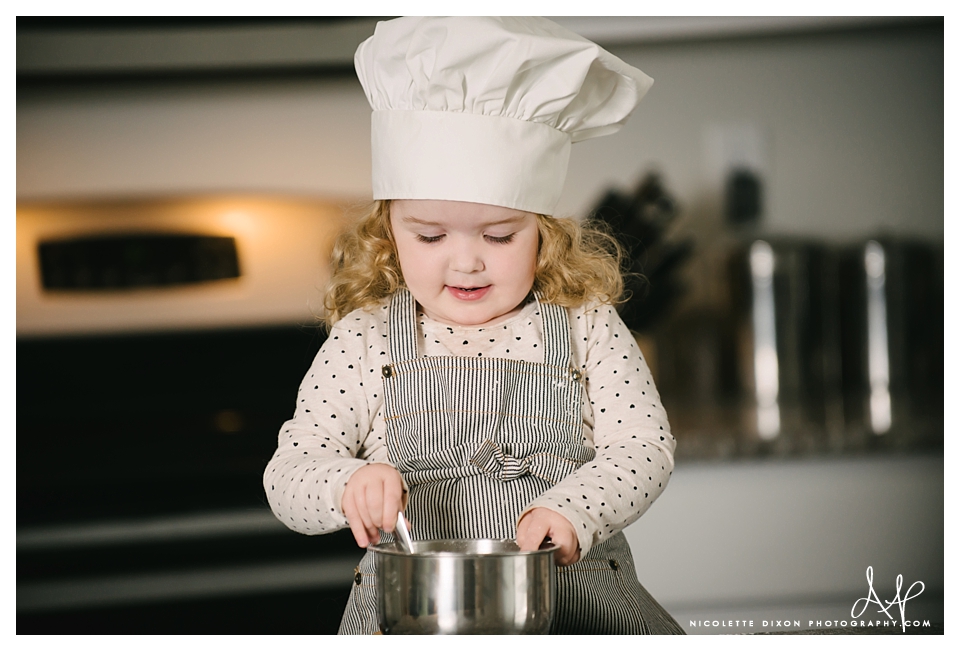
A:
x,y
785,301
892,333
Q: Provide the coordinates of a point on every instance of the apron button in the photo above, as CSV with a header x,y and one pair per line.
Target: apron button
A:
x,y
576,374
614,565
356,576
387,371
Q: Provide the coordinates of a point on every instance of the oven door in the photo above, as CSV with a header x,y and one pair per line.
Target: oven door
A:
x,y
145,418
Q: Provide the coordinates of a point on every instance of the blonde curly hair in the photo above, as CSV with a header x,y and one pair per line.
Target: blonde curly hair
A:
x,y
576,264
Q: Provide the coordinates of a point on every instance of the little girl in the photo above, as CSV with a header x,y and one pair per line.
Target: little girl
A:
x,y
475,374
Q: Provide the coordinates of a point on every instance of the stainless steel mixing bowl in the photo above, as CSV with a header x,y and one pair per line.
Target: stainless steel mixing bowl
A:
x,y
465,587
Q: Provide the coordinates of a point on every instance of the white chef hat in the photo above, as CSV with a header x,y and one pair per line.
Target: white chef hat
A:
x,y
484,109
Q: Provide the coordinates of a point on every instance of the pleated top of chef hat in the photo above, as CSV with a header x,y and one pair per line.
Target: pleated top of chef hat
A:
x,y
484,109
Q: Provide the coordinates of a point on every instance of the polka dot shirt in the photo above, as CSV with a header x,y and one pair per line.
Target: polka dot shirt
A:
x,y
338,423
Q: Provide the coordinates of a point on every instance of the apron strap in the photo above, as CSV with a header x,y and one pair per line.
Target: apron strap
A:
x,y
402,326
556,334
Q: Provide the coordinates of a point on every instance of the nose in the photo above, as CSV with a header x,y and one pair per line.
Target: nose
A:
x,y
466,258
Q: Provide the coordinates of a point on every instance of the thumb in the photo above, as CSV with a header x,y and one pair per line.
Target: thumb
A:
x,y
531,533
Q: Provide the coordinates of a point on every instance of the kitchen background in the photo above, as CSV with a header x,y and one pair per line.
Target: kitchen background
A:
x,y
179,184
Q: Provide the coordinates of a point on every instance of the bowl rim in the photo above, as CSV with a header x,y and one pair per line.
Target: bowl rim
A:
x,y
393,549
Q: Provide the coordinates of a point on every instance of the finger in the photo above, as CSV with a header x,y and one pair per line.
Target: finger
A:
x,y
356,524
569,551
566,555
374,501
374,513
359,534
363,513
392,498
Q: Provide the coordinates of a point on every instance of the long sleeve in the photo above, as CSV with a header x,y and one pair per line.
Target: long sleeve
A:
x,y
630,432
338,425
333,431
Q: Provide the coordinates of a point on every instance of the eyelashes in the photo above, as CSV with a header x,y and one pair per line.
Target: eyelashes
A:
x,y
431,239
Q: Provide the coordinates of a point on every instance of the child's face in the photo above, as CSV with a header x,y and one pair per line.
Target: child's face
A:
x,y
467,264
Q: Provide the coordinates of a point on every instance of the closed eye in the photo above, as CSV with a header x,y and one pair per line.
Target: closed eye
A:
x,y
429,239
506,239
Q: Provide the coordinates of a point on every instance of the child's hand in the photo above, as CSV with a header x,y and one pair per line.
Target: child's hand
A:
x,y
371,500
541,523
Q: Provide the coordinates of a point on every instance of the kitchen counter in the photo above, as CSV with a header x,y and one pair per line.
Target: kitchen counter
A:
x,y
791,540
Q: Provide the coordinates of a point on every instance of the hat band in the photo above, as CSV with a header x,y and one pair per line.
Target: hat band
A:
x,y
468,157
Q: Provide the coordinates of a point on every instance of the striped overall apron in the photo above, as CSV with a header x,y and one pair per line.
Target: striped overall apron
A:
x,y
477,439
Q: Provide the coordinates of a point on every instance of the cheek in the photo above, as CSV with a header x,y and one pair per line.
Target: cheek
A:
x,y
404,258
531,254
521,264
415,263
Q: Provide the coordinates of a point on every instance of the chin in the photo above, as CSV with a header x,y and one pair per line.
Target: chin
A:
x,y
478,321
465,318
482,318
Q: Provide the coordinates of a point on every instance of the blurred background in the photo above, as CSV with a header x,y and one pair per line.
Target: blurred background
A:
x,y
180,183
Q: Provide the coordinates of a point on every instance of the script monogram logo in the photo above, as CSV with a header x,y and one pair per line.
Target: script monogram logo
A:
x,y
901,602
